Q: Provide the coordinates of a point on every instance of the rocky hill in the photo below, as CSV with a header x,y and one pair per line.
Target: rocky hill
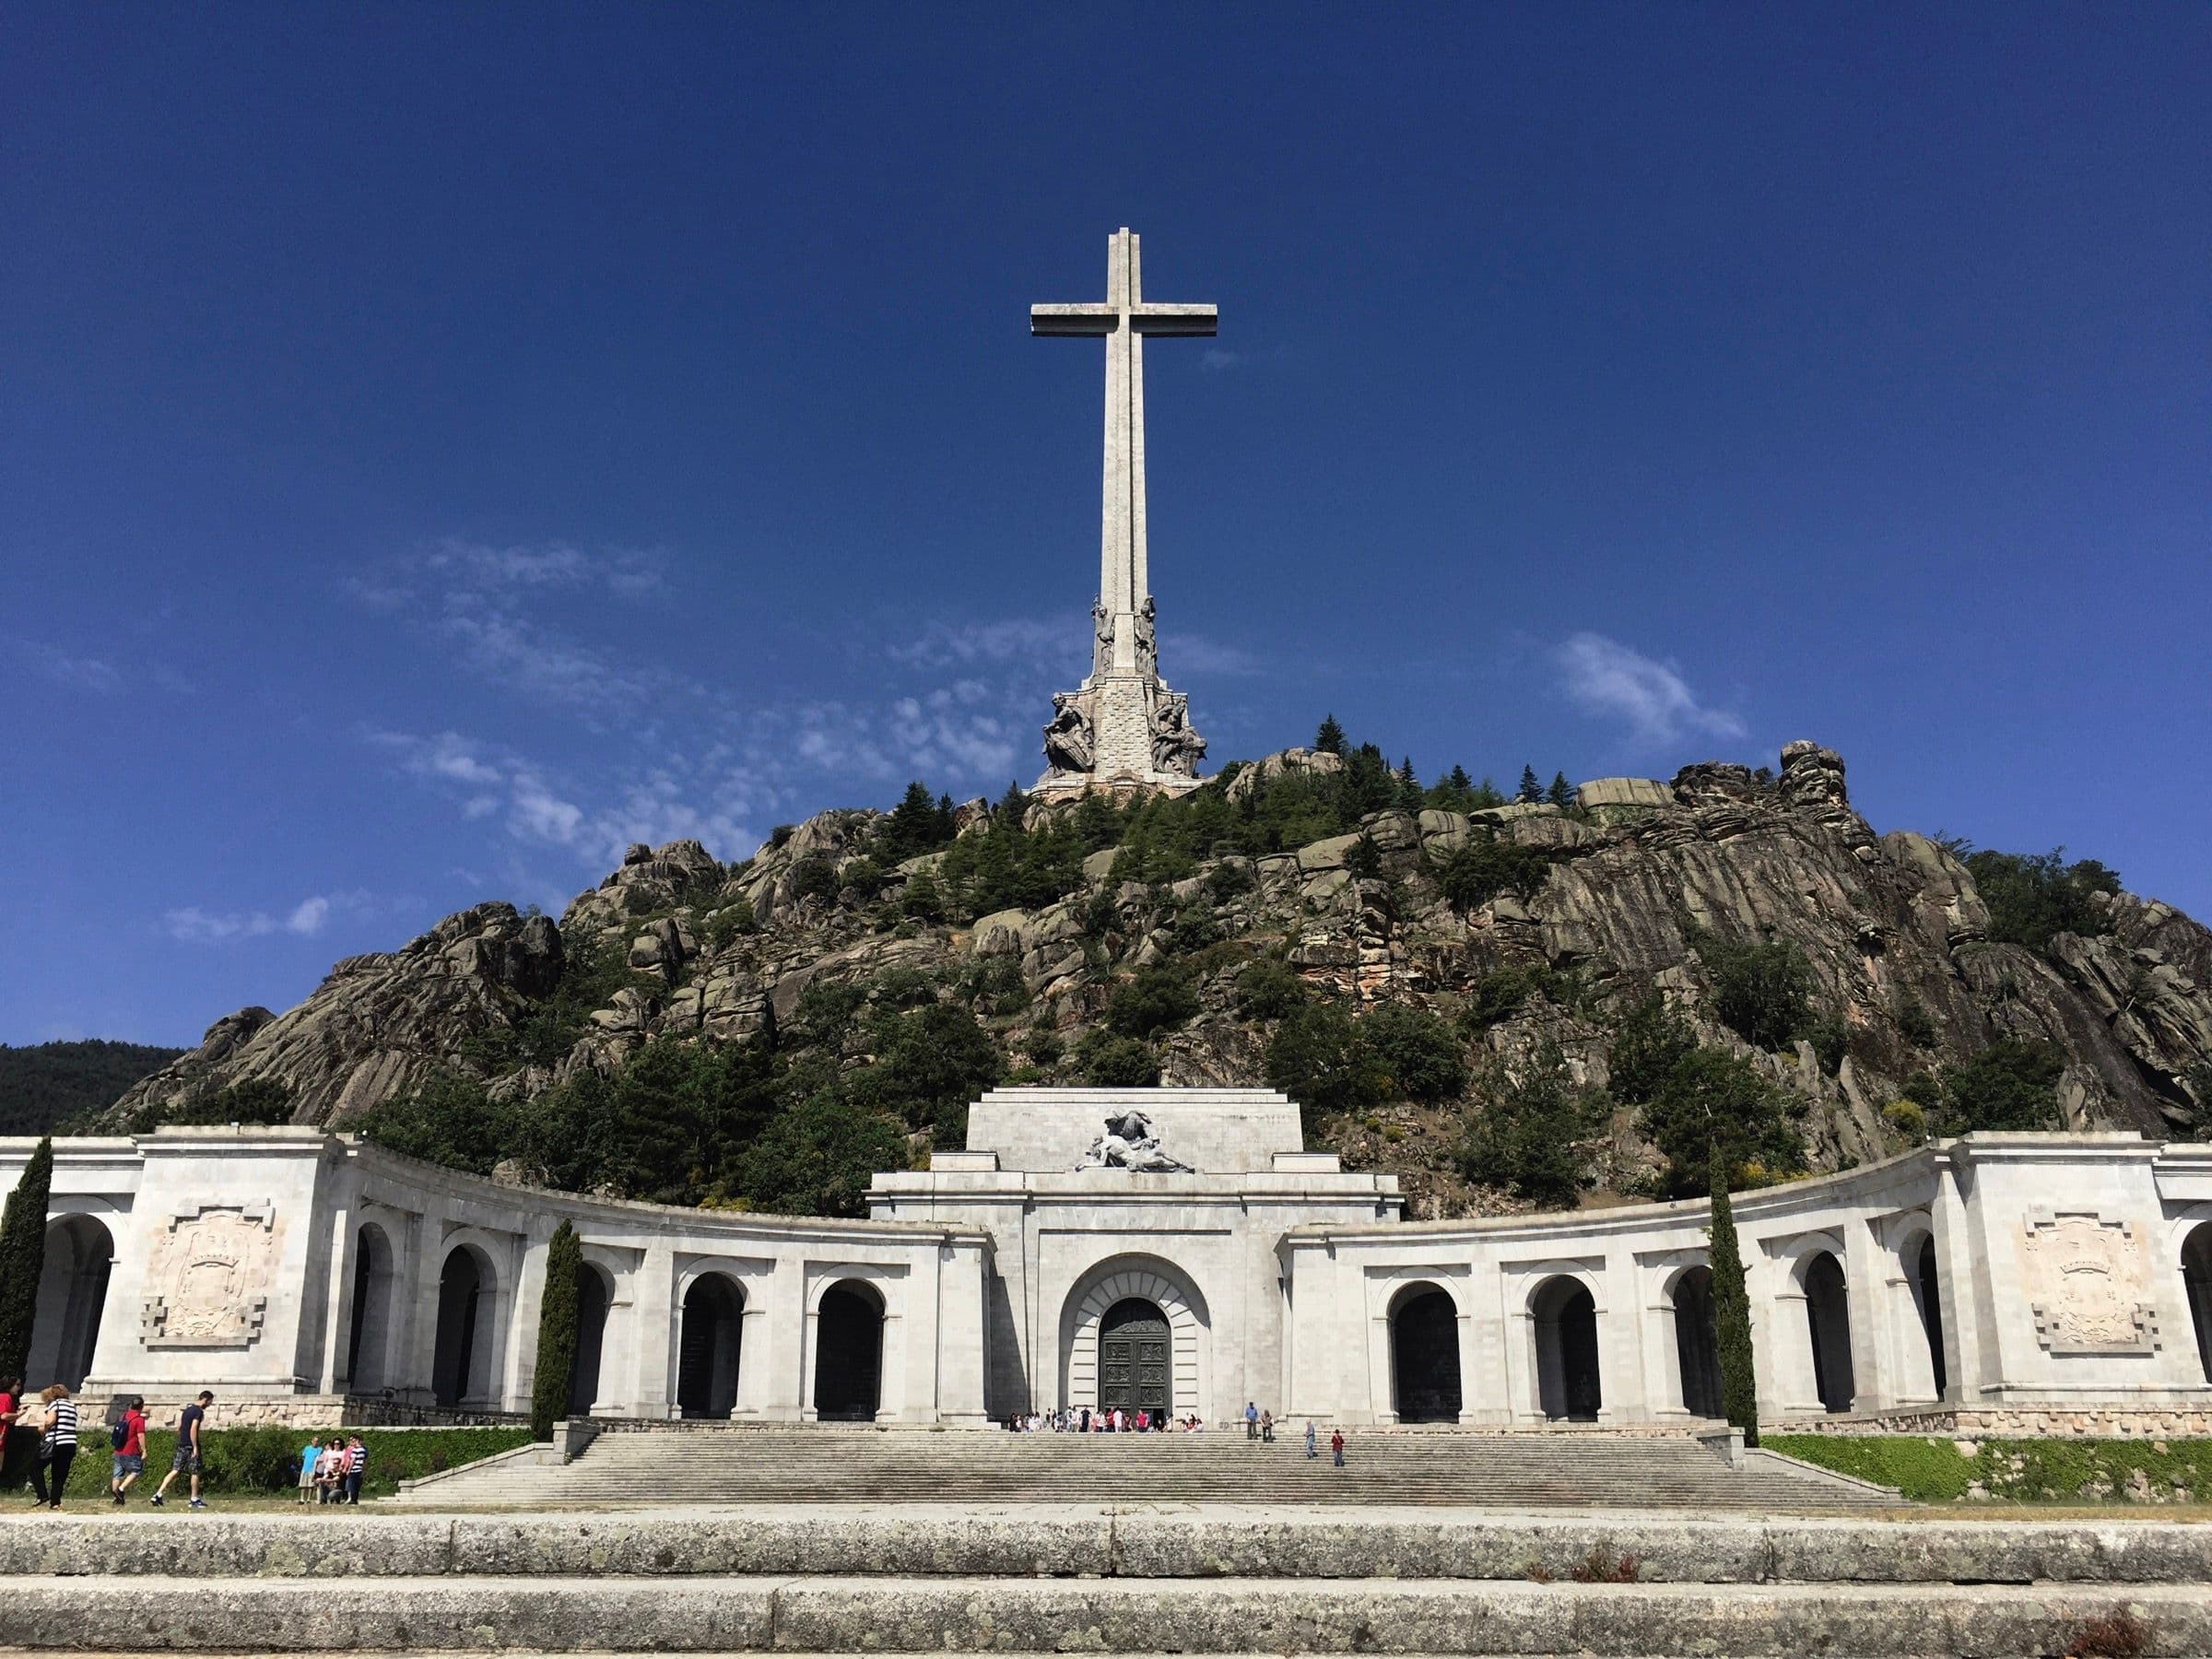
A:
x,y
1221,938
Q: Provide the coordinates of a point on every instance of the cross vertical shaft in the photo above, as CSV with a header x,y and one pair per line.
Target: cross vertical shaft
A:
x,y
1133,727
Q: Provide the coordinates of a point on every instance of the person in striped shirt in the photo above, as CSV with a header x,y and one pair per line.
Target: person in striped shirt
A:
x,y
57,1446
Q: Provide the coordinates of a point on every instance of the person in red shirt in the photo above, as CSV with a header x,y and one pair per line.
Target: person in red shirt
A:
x,y
130,1450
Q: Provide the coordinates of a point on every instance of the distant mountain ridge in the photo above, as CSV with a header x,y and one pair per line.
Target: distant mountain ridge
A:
x,y
1314,919
44,1085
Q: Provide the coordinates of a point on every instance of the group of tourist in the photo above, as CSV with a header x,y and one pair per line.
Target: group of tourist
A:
x,y
1116,1420
52,1417
332,1470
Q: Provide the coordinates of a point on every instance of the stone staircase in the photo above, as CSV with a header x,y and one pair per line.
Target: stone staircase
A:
x,y
1042,1579
707,1465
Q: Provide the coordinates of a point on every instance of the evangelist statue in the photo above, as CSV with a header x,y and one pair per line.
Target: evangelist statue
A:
x,y
1175,748
1068,740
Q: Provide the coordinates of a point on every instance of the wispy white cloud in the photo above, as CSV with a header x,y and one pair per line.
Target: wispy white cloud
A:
x,y
1605,679
1219,357
193,924
1044,641
66,669
1194,653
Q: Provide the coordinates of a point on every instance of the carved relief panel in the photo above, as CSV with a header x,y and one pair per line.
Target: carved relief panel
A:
x,y
209,1283
2086,1284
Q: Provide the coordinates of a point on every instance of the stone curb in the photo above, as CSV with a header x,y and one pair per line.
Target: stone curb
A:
x,y
929,1541
1233,1616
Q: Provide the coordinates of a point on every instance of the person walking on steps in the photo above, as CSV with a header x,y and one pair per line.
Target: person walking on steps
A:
x,y
57,1446
1267,1427
1310,1451
1251,1421
127,1439
1336,1447
187,1459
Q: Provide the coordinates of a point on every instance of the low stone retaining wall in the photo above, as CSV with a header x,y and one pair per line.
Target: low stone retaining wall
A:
x,y
1228,1615
1042,1541
2089,1423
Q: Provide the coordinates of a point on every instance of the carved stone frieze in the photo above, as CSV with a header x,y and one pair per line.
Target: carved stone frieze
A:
x,y
207,1285
2086,1285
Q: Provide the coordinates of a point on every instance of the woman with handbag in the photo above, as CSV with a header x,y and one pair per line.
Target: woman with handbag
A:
x,y
57,1446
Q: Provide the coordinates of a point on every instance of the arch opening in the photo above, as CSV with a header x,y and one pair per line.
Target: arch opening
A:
x,y
1927,1302
1569,1388
1697,1343
461,1361
1424,1357
1828,1324
369,1334
2197,1278
1136,1368
595,1295
709,1345
72,1293
848,1353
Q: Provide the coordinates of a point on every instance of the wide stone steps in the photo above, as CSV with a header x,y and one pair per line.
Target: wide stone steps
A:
x,y
841,1579
765,1465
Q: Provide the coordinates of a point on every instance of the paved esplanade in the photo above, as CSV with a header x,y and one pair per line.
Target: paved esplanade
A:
x,y
1125,724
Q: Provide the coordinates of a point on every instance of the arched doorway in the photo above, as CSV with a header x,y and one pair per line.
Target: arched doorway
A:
x,y
848,1353
1828,1320
708,1346
595,1295
1424,1356
369,1332
1927,1301
461,1363
2197,1278
1697,1345
72,1291
1135,1373
1567,1385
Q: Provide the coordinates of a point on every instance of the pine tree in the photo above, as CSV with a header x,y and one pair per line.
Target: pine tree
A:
x,y
1329,740
1732,1310
556,1333
1531,790
23,1258
1561,793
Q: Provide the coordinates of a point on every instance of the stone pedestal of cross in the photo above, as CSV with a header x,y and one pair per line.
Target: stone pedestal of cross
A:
x,y
1123,725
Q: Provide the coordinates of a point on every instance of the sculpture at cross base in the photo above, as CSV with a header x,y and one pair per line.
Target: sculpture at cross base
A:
x,y
1124,727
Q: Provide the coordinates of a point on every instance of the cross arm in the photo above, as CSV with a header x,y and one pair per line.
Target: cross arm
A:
x,y
1175,319
1074,319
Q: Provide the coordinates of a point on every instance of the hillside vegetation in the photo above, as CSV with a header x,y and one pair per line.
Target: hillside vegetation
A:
x,y
1543,1001
47,1084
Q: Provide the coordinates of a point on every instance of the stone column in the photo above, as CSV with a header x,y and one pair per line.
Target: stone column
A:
x,y
654,1318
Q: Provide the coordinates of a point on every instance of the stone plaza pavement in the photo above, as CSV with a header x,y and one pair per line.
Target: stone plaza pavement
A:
x,y
1231,1579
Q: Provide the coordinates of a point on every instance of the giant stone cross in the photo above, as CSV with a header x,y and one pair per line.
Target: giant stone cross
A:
x,y
1124,727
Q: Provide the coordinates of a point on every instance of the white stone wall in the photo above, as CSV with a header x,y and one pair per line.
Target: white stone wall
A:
x,y
236,1261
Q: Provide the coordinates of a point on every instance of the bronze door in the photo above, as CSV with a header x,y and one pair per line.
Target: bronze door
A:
x,y
1134,1359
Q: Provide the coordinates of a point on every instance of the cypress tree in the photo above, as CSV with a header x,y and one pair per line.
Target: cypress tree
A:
x,y
556,1333
23,1259
1731,1310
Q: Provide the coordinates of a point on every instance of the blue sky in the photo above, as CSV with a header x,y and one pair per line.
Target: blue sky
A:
x,y
438,445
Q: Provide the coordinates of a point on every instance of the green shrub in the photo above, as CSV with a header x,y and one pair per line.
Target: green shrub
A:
x,y
929,1065
1762,991
1318,1058
2012,1084
1268,990
731,920
1650,1044
255,1100
1106,1061
1423,1058
817,1157
1524,1139
2033,899
814,876
1156,999
1831,1037
1914,1023
1363,859
1712,1099
1228,879
1474,873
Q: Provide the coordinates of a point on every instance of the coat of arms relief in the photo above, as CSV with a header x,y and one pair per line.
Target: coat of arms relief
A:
x,y
207,1285
2085,1274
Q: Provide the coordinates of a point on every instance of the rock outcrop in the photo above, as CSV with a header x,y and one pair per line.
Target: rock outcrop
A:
x,y
1892,928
